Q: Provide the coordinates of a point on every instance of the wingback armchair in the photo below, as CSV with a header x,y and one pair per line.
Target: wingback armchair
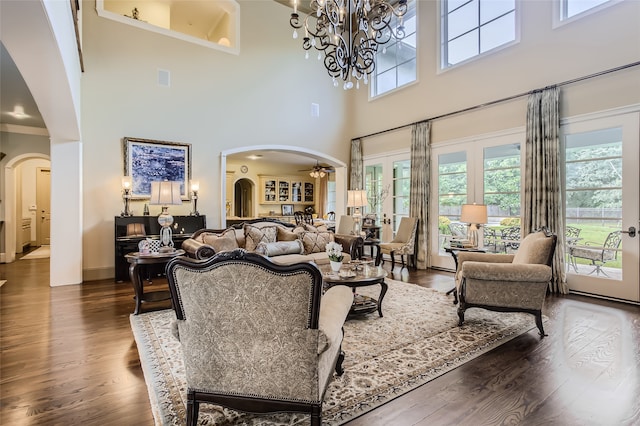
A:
x,y
508,282
256,337
404,243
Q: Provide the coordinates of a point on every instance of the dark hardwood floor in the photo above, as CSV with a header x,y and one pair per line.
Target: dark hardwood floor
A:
x,y
68,358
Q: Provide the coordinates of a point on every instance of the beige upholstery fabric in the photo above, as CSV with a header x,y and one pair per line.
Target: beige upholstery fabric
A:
x,y
315,242
280,248
404,241
345,225
507,282
247,328
220,242
254,235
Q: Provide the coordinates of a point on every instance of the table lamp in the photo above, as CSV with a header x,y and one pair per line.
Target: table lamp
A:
x,y
126,195
165,193
475,215
356,198
195,187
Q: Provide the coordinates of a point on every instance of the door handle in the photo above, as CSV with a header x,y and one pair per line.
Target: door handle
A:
x,y
631,231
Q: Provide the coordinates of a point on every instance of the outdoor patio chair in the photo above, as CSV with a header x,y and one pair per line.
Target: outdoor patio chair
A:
x,y
599,256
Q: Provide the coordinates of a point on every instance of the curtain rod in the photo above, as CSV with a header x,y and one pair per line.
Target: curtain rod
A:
x,y
509,98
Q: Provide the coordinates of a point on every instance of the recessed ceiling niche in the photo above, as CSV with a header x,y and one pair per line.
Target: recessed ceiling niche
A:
x,y
214,24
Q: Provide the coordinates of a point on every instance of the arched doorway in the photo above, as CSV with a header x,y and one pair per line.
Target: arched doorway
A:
x,y
15,208
243,198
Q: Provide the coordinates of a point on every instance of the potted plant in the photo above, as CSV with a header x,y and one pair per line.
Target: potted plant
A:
x,y
334,251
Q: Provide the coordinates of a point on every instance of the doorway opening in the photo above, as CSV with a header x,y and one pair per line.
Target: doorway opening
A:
x,y
243,198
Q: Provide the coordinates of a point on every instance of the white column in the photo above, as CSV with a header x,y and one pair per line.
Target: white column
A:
x,y
66,213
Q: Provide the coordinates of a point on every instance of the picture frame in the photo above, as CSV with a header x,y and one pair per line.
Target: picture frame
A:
x,y
287,209
147,160
369,220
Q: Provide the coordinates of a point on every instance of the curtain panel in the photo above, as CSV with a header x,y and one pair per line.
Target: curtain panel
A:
x,y
356,169
543,203
419,188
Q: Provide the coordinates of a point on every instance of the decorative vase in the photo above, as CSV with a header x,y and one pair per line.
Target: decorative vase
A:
x,y
335,266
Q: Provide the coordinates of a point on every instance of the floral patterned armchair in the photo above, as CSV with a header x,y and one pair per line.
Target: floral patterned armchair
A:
x,y
256,336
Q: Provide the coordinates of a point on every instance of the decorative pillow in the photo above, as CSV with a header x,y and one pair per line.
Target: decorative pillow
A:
x,y
311,228
315,242
280,247
284,234
224,241
254,235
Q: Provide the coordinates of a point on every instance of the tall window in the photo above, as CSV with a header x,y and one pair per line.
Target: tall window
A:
x,y
387,181
396,61
473,27
401,190
502,182
571,8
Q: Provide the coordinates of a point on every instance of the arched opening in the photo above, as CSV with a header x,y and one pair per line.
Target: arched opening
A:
x,y
20,197
243,196
310,157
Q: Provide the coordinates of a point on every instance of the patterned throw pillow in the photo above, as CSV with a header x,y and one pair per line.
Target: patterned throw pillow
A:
x,y
254,235
225,241
280,248
311,228
315,242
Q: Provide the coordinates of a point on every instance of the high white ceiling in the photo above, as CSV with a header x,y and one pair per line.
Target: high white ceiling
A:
x,y
13,92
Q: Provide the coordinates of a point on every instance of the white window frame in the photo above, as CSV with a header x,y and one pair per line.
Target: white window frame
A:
x,y
559,18
387,160
373,77
474,147
442,40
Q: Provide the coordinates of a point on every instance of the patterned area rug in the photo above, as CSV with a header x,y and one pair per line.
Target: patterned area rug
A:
x,y
417,340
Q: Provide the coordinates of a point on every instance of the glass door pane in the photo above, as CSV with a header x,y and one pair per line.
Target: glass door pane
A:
x,y
452,194
601,193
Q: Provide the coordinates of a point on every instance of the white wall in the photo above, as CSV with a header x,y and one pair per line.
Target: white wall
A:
x,y
216,101
543,57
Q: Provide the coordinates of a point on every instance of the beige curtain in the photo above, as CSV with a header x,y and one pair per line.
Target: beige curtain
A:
x,y
356,169
322,193
419,188
543,202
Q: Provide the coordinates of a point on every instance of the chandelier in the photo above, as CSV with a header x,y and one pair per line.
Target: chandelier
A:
x,y
348,33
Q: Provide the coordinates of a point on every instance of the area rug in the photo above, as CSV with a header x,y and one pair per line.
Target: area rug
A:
x,y
41,252
417,340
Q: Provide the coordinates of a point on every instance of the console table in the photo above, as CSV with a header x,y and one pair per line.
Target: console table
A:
x,y
183,227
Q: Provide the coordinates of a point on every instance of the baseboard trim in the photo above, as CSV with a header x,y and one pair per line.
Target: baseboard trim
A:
x,y
97,274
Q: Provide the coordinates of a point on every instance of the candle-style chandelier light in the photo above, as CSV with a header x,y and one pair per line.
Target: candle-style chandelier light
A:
x,y
348,32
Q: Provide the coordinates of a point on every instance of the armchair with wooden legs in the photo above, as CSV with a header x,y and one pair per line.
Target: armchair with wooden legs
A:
x,y
404,243
256,337
507,282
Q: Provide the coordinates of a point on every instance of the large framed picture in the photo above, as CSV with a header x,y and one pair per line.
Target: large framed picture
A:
x,y
287,209
147,161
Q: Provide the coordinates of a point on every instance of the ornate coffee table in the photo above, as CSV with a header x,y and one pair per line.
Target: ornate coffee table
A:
x,y
362,276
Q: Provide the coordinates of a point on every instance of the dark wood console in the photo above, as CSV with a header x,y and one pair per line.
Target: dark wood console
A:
x,y
183,227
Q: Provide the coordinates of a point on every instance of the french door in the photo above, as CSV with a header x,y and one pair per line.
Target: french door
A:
x,y
602,199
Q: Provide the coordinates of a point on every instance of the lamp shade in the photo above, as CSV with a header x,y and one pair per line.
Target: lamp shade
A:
x,y
126,182
195,185
356,198
165,193
474,213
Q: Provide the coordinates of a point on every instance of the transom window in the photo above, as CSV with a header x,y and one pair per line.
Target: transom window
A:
x,y
396,60
474,27
571,8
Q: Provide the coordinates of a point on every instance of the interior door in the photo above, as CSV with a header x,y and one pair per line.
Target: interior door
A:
x,y
43,200
602,205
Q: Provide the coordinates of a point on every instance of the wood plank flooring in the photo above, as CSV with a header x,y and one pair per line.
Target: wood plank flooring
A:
x,y
68,358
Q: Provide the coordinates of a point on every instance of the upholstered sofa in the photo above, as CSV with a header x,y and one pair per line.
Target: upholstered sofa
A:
x,y
283,243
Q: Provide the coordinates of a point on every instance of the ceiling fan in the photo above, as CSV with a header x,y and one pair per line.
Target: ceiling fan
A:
x,y
318,170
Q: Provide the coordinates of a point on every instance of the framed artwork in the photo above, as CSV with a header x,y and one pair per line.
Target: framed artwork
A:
x,y
147,161
287,209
